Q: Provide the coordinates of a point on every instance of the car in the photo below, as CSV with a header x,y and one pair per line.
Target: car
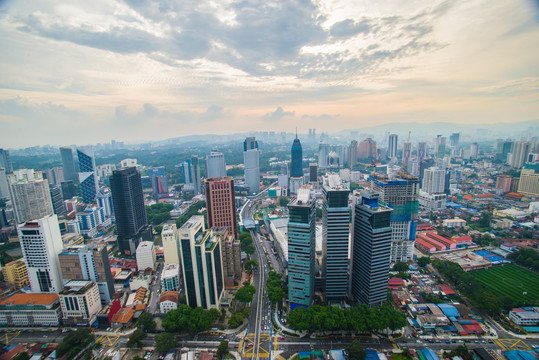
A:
x,y
281,338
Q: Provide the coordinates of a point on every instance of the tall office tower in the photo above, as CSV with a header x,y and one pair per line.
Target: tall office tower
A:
x,y
4,186
504,182
5,161
251,156
392,147
401,195
145,255
221,203
406,154
57,199
323,152
529,183
439,146
504,149
454,140
191,174
296,164
301,249
367,149
474,150
371,243
68,164
352,154
128,204
421,155
88,262
41,242
68,189
433,180
520,152
54,176
313,173
87,175
335,237
159,181
202,267
30,195
171,244
215,164
104,200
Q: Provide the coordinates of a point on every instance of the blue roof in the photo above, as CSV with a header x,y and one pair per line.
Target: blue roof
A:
x,y
449,310
496,259
371,355
519,355
483,253
429,354
337,354
531,328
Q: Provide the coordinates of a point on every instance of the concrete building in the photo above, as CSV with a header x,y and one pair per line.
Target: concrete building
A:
x,y
215,164
68,165
30,195
88,262
406,155
89,184
104,171
230,253
171,244
336,234
104,201
202,267
433,180
191,175
4,186
371,244
129,163
5,161
221,203
529,183
432,202
145,255
41,242
392,146
57,200
92,220
504,182
80,303
402,195
170,278
313,173
367,149
439,146
251,161
517,157
352,154
158,180
15,273
168,301
523,317
54,176
301,249
474,150
30,310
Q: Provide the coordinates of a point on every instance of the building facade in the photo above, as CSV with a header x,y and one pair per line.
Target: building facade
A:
x,y
30,310
170,278
171,244
80,303
15,273
230,253
433,180
30,195
68,164
145,255
529,183
221,203
5,161
89,184
251,161
215,164
296,164
392,146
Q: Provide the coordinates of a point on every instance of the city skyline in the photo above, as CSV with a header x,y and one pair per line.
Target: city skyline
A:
x,y
147,72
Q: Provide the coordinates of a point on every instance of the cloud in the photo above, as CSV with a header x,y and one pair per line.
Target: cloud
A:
x,y
349,27
277,115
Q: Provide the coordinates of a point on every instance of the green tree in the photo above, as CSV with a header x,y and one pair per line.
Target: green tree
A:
x,y
22,356
507,302
146,321
165,342
236,320
355,351
319,214
137,358
74,342
283,201
136,339
251,265
222,349
462,351
401,266
245,294
423,261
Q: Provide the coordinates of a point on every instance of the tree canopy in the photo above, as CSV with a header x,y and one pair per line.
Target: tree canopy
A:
x,y
158,213
222,349
355,351
188,319
251,265
245,293
423,261
74,343
146,321
401,266
275,287
165,342
136,338
526,257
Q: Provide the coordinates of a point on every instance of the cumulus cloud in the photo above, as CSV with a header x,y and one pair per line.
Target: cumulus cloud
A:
x,y
277,115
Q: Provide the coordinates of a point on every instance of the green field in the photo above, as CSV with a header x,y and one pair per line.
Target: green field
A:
x,y
510,280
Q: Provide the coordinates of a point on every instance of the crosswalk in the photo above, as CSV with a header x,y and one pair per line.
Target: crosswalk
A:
x,y
512,344
108,340
248,350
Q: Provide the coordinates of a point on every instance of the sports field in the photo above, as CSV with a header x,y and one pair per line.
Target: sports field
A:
x,y
510,280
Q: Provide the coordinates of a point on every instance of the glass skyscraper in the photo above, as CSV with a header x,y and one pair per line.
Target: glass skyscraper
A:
x,y
296,165
87,175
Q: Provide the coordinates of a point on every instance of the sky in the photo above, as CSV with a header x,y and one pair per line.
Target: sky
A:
x,y
83,72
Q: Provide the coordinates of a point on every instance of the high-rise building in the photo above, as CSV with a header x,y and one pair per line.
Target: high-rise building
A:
x,y
323,152
5,161
406,154
474,150
104,200
15,273
80,302
54,176
230,253
215,164
202,267
57,199
421,155
367,149
159,181
504,148
145,256
129,210
68,189
301,249
87,175
313,173
371,243
68,164
88,262
392,147
401,195
517,157
504,182
41,242
4,186
191,175
251,159
352,154
30,195
92,220
296,164
171,244
433,180
335,237
439,146
454,140
221,203
529,183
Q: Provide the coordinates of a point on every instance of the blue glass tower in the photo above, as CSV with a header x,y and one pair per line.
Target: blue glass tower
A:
x,y
296,165
87,175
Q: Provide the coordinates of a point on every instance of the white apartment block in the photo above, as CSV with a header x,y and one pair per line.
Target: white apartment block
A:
x,y
145,256
170,278
171,244
30,195
80,302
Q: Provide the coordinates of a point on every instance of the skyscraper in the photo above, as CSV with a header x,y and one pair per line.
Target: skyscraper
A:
x,y
54,176
474,150
41,242
406,154
392,147
5,161
191,174
371,243
518,155
454,140
439,146
296,164
323,152
367,149
30,195
301,249
171,244
4,186
104,200
401,195
251,156
128,203
87,175
433,180
221,203
159,180
68,164
313,173
215,164
335,232
421,155
352,154
57,199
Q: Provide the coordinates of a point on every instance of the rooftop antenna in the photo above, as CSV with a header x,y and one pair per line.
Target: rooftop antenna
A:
x,y
296,132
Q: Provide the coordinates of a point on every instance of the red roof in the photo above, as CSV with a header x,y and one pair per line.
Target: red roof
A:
x,y
447,289
472,328
396,281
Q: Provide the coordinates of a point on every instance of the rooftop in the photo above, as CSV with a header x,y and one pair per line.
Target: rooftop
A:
x,y
193,220
30,299
76,287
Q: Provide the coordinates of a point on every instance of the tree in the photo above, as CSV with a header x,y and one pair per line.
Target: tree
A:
x,y
319,214
137,358
165,342
462,351
355,351
401,266
251,265
222,350
423,261
506,302
245,294
22,356
74,342
136,339
249,249
146,321
283,201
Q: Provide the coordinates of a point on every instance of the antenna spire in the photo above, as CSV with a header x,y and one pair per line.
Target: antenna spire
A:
x,y
296,132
